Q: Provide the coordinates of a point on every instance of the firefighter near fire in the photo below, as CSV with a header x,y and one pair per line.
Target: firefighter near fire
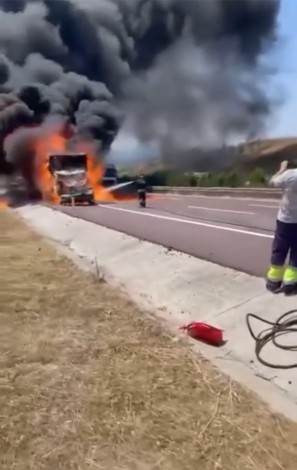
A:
x,y
141,190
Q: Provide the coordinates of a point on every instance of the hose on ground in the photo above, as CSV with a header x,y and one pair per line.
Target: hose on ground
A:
x,y
284,325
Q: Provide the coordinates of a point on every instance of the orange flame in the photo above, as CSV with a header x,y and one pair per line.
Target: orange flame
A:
x,y
3,203
43,147
95,174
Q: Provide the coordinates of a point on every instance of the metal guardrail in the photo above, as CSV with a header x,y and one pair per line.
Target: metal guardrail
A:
x,y
263,193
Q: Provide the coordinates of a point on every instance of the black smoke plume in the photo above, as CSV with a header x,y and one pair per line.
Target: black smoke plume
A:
x,y
184,73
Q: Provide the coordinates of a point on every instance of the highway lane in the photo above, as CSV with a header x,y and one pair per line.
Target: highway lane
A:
x,y
232,232
255,214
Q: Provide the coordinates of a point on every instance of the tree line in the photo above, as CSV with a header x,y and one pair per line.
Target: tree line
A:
x,y
233,178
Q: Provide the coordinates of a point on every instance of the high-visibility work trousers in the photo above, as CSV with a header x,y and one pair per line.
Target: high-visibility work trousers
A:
x,y
284,244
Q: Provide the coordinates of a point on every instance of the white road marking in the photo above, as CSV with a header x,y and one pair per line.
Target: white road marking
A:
x,y
189,222
264,205
220,210
221,196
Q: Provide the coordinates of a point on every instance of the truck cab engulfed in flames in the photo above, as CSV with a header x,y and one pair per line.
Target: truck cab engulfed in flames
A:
x,y
70,178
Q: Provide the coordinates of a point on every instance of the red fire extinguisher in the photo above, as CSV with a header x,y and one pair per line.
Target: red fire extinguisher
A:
x,y
204,332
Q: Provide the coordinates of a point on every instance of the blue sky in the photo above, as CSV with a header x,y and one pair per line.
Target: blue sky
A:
x,y
285,120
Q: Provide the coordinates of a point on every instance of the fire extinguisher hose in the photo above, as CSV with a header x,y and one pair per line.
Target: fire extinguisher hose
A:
x,y
285,324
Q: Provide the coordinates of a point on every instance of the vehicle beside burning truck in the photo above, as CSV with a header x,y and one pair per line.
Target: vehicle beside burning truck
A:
x,y
110,177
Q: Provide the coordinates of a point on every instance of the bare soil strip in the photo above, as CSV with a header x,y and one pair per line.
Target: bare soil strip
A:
x,y
87,381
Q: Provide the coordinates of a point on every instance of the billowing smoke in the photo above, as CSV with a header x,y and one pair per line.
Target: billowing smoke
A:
x,y
183,73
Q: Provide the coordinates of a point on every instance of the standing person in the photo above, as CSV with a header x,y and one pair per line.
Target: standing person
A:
x,y
141,190
285,237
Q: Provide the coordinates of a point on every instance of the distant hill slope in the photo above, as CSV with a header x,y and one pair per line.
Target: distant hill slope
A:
x,y
266,153
269,152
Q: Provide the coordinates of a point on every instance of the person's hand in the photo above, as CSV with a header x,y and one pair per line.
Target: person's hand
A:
x,y
284,165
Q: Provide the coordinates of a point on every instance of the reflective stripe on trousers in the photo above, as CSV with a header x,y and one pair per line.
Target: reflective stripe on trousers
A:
x,y
275,273
290,276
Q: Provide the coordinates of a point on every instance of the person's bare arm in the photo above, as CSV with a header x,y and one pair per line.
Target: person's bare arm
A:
x,y
276,179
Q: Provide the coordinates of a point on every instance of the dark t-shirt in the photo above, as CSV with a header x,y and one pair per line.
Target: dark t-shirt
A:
x,y
141,184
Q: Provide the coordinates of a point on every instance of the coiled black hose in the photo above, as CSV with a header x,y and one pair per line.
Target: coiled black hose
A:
x,y
285,324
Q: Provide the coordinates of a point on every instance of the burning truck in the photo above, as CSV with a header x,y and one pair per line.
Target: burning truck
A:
x,y
70,178
53,172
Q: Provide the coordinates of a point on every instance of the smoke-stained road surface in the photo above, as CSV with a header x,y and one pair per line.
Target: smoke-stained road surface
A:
x,y
235,233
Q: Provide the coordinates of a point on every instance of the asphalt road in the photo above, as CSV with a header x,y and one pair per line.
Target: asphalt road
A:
x,y
232,232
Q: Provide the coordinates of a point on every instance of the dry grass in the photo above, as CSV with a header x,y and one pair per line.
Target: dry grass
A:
x,y
87,382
